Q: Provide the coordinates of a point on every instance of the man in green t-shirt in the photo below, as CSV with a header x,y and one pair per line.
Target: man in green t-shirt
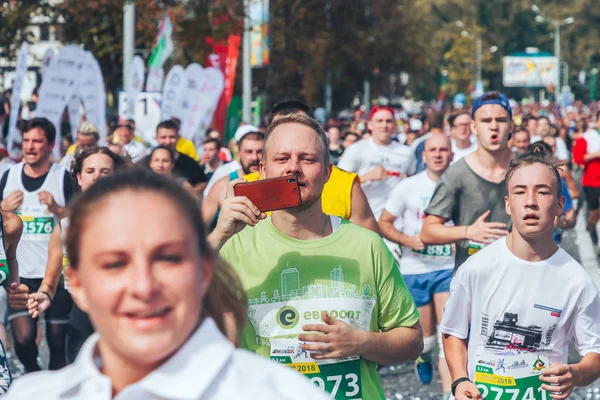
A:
x,y
325,296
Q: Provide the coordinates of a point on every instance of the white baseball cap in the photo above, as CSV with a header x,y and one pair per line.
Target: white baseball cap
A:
x,y
415,124
243,131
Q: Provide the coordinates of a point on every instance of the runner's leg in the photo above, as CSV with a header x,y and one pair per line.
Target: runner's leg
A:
x,y
440,299
24,329
57,320
56,337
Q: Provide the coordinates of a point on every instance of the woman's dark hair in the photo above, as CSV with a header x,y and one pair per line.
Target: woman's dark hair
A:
x,y
225,293
167,149
81,155
541,149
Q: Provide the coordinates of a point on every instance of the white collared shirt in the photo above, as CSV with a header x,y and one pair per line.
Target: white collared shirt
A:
x,y
206,367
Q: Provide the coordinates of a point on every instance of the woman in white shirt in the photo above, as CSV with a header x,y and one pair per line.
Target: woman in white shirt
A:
x,y
140,266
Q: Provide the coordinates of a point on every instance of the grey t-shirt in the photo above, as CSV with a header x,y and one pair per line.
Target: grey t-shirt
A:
x,y
463,196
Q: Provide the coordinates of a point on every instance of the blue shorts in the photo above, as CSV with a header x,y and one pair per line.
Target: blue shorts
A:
x,y
422,287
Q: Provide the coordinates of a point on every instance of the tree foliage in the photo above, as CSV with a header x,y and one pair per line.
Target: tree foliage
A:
x,y
348,40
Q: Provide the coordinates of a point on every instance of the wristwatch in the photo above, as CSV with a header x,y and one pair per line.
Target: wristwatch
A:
x,y
458,382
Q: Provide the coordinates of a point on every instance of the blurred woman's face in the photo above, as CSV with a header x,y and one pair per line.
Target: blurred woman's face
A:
x,y
161,162
142,289
94,167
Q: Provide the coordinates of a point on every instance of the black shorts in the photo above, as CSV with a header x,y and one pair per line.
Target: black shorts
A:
x,y
592,197
59,310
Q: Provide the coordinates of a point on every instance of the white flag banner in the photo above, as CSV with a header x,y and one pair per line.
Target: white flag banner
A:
x,y
172,88
204,104
92,93
189,96
155,79
74,114
59,82
21,70
47,59
135,84
214,91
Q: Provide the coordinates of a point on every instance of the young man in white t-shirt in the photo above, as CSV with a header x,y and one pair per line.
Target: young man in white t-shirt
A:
x,y
380,162
427,270
463,141
515,306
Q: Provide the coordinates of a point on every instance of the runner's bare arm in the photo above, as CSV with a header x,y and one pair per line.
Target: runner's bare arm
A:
x,y
212,202
13,229
394,346
336,339
361,213
59,211
17,292
54,263
386,223
236,213
435,232
376,174
456,352
561,379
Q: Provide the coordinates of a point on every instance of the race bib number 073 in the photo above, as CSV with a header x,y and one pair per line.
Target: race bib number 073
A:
x,y
340,378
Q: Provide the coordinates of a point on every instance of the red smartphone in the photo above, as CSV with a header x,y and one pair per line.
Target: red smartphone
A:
x,y
271,194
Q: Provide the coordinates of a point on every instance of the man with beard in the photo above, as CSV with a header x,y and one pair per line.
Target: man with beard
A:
x,y
250,152
319,285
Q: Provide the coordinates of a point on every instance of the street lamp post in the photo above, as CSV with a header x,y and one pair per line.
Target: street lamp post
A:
x,y
556,23
128,38
246,69
478,50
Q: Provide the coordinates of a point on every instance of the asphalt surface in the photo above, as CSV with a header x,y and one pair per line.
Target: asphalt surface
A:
x,y
399,381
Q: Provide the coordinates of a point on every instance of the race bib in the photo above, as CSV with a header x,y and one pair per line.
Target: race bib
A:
x,y
278,324
474,247
440,250
38,224
340,378
514,377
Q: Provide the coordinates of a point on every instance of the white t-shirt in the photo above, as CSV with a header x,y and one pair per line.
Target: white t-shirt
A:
x,y
365,156
460,153
521,315
206,367
136,150
407,203
220,173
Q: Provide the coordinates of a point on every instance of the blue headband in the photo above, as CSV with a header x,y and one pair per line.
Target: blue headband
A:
x,y
502,101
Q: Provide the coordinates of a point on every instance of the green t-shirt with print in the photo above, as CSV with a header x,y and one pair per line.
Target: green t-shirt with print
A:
x,y
350,274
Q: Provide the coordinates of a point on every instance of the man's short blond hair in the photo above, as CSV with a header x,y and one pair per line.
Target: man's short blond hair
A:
x,y
301,120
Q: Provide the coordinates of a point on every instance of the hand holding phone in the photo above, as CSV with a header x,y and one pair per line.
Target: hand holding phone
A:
x,y
271,194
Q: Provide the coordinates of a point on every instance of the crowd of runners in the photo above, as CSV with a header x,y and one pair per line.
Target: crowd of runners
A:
x,y
416,232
